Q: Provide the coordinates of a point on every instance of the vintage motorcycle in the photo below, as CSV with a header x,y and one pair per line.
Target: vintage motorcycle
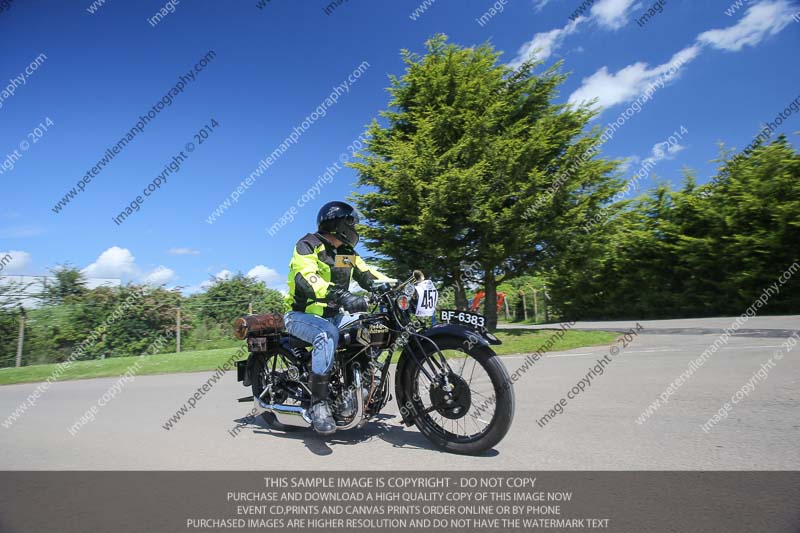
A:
x,y
448,380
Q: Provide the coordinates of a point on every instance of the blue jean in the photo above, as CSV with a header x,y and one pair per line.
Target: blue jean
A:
x,y
323,333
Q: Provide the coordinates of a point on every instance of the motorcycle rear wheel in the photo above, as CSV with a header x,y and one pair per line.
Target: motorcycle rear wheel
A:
x,y
264,370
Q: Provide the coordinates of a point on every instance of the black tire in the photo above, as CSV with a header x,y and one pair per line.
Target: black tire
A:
x,y
503,401
258,383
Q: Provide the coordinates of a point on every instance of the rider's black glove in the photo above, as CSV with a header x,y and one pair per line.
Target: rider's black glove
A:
x,y
348,301
381,287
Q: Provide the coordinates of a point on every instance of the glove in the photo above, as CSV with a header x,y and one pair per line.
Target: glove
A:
x,y
349,301
381,287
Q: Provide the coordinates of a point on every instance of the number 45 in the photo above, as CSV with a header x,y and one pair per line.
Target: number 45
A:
x,y
427,298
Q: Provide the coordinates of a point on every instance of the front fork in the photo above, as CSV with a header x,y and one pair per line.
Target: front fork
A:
x,y
440,367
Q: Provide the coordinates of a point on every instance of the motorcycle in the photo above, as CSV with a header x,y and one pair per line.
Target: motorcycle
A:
x,y
448,380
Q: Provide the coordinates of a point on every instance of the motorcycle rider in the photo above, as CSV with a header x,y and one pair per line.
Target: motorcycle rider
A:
x,y
320,272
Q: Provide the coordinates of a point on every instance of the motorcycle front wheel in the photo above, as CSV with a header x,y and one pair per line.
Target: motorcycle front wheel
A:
x,y
471,409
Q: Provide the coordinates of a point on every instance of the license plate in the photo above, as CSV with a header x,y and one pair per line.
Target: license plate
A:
x,y
464,318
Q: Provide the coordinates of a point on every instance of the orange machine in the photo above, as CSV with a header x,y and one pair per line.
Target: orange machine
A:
x,y
476,303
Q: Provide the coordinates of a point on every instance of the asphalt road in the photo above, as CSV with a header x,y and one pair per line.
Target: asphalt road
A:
x,y
597,430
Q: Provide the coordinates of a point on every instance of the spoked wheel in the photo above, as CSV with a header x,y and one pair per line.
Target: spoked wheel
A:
x,y
468,410
270,369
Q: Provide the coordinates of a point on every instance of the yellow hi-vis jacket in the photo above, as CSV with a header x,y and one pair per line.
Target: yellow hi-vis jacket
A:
x,y
317,268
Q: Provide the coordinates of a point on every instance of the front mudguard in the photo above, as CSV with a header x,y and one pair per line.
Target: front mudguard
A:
x,y
436,333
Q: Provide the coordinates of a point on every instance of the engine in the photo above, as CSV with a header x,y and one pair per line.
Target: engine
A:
x,y
372,331
373,397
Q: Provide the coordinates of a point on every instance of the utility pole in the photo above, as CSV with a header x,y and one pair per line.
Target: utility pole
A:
x,y
21,337
178,331
535,307
546,298
250,308
524,305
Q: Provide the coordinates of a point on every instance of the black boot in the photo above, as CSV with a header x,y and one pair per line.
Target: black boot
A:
x,y
320,411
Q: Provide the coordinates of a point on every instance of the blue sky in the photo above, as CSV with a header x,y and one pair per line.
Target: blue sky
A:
x,y
97,73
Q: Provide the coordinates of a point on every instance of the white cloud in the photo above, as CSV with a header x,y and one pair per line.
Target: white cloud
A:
x,y
223,274
611,14
761,20
268,275
629,82
659,152
115,262
663,150
160,276
182,251
119,263
628,162
17,264
193,289
543,45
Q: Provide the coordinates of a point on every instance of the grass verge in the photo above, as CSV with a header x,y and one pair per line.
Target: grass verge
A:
x,y
514,341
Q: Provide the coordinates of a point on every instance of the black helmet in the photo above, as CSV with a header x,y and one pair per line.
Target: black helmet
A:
x,y
339,219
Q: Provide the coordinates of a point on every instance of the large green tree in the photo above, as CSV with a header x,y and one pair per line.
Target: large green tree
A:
x,y
474,162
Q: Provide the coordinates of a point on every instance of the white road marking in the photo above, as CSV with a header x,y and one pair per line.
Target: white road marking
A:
x,y
745,347
623,351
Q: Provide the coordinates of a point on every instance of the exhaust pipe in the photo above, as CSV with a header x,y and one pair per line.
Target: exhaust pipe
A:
x,y
359,414
297,416
288,415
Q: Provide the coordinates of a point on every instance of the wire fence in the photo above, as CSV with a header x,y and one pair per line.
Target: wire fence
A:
x,y
527,304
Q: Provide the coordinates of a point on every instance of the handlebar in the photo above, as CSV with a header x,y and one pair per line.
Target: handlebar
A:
x,y
380,290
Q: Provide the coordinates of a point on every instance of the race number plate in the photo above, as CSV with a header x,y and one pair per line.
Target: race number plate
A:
x,y
470,320
427,295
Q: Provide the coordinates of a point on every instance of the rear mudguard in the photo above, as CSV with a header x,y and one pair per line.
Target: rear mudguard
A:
x,y
437,334
245,368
